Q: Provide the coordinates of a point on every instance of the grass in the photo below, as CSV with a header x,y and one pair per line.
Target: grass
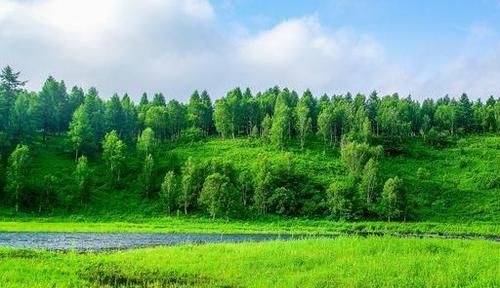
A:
x,y
463,185
340,262
270,225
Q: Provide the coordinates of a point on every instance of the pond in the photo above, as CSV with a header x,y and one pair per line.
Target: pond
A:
x,y
90,241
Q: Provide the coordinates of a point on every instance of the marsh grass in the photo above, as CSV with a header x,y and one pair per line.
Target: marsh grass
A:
x,y
340,262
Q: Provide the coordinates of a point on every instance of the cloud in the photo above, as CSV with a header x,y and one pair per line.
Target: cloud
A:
x,y
176,46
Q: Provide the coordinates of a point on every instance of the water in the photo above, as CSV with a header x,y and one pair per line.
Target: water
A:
x,y
90,241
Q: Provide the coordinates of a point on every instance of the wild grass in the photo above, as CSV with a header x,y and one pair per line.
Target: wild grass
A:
x,y
269,225
340,262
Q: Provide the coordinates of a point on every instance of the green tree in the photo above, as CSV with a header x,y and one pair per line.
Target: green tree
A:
x,y
114,155
281,122
325,124
168,191
18,168
267,124
158,100
369,181
22,122
263,185
222,118
80,131
10,85
207,112
245,180
114,115
48,191
218,195
82,179
147,175
304,121
157,119
234,105
393,198
340,199
355,155
146,143
188,183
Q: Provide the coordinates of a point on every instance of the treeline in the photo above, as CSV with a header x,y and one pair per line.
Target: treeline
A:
x,y
277,116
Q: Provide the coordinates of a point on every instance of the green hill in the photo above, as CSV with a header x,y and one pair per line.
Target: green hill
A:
x,y
461,183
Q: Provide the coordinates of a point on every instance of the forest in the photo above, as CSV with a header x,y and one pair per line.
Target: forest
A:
x,y
66,150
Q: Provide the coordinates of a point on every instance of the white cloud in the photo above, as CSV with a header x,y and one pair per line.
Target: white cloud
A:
x,y
177,46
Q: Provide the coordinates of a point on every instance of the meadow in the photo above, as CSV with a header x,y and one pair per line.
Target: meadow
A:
x,y
340,262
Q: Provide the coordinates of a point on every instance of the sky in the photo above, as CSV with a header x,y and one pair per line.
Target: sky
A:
x,y
425,48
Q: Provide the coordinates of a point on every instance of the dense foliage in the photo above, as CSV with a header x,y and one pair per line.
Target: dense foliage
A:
x,y
128,145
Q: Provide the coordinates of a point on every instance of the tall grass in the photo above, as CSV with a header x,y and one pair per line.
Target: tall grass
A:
x,y
341,262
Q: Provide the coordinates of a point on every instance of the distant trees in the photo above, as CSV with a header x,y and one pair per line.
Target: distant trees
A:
x,y
364,127
340,198
146,142
281,121
168,191
218,195
147,175
114,155
188,182
17,170
304,119
393,198
82,179
222,118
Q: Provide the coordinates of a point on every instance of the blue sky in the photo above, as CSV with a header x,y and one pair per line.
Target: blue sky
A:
x,y
405,26
424,48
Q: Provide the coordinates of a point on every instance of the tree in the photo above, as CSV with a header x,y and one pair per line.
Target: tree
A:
x,y
49,186
281,122
369,181
267,124
355,155
157,119
114,115
114,155
158,100
80,131
325,124
304,122
222,118
245,180
339,199
147,175
207,113
195,111
188,183
146,143
82,179
218,195
10,85
393,198
23,117
168,191
52,104
283,200
263,185
18,165
234,99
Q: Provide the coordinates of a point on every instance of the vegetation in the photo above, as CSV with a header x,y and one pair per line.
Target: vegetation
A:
x,y
247,156
345,262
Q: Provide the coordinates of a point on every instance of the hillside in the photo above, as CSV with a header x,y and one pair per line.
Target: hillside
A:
x,y
463,183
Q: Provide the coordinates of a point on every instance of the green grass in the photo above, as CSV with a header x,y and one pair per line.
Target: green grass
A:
x,y
341,262
270,225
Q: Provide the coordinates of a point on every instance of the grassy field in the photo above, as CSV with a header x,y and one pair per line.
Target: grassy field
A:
x,y
463,184
340,262
270,225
